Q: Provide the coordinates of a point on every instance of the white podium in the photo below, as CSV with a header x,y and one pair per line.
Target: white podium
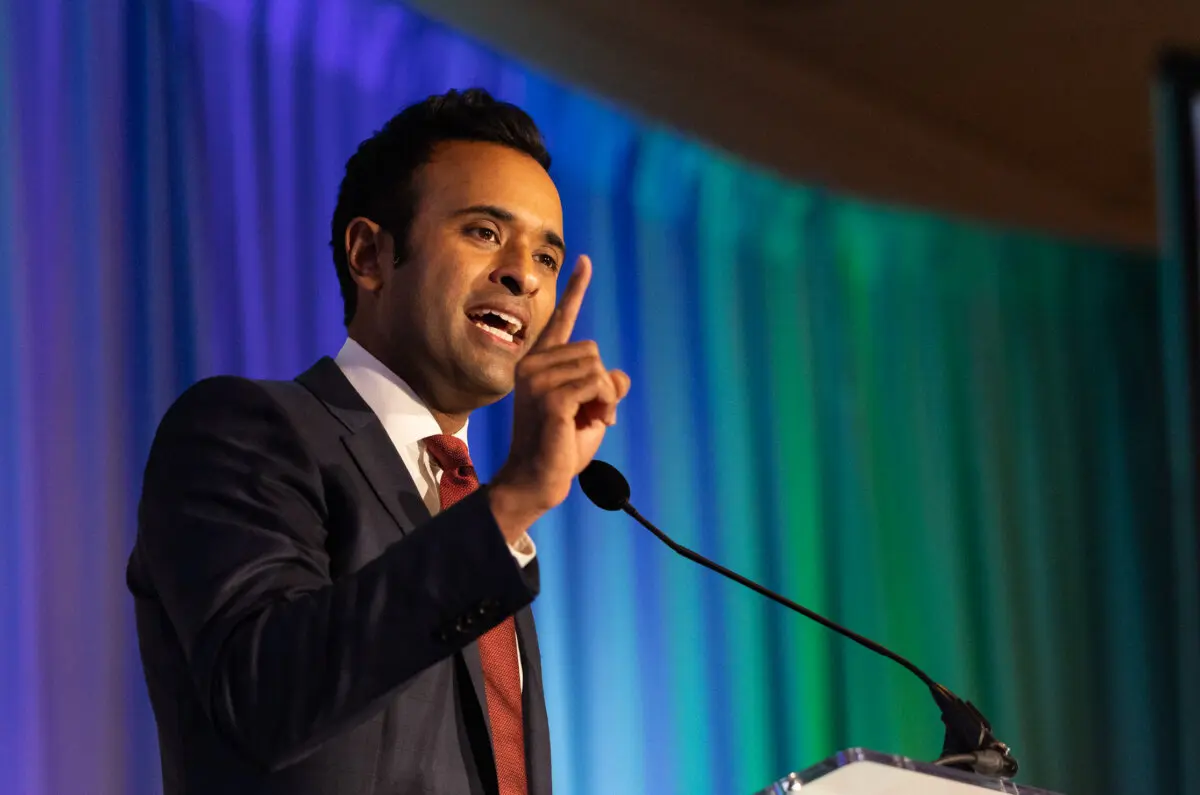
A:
x,y
857,771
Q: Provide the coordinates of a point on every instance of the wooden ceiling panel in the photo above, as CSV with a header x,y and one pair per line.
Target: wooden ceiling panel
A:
x,y
1024,112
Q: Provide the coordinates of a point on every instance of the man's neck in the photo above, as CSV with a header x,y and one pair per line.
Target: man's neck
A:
x,y
451,422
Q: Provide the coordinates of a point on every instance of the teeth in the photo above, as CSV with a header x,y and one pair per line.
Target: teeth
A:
x,y
514,324
512,321
495,332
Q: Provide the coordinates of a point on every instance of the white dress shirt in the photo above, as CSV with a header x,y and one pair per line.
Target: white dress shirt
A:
x,y
408,422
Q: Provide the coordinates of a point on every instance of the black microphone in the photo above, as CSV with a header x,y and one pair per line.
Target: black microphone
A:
x,y
969,743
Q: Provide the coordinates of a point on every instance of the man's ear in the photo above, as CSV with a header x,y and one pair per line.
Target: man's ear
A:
x,y
368,252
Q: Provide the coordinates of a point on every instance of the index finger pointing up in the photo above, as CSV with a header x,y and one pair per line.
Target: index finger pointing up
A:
x,y
562,322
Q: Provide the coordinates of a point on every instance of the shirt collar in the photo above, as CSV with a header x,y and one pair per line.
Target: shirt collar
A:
x,y
405,417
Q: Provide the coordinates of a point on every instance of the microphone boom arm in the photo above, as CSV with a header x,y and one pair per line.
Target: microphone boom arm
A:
x,y
969,743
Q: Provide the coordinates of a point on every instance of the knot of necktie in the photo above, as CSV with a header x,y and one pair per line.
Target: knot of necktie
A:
x,y
452,456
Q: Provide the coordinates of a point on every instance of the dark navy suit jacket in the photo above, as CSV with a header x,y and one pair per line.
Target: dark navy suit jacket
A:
x,y
304,625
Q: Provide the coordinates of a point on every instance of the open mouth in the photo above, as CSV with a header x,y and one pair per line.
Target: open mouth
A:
x,y
500,325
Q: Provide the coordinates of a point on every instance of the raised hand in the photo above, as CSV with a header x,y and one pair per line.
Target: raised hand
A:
x,y
563,402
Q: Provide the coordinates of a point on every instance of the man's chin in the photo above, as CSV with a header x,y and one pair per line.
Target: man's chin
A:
x,y
486,385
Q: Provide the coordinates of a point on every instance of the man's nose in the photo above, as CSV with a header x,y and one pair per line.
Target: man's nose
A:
x,y
517,271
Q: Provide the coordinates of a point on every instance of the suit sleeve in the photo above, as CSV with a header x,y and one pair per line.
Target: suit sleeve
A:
x,y
232,537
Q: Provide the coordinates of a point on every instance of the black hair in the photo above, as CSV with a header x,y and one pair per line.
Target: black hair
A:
x,y
378,183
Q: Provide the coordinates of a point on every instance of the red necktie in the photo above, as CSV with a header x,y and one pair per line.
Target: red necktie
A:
x,y
497,646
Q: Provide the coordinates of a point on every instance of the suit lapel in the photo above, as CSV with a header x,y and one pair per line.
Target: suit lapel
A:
x,y
381,465
474,663
368,444
531,659
384,470
533,705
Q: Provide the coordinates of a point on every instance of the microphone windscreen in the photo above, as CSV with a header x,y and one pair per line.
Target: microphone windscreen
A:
x,y
604,485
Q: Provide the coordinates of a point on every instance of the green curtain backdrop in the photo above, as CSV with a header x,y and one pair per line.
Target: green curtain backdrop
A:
x,y
951,438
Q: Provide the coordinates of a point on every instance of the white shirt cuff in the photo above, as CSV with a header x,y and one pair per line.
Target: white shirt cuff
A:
x,y
523,550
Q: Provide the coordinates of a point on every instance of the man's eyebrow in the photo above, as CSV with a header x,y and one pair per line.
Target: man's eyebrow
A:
x,y
501,214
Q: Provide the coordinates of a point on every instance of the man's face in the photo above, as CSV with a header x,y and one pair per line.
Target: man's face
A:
x,y
478,285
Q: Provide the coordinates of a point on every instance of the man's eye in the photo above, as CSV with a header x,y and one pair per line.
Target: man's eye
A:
x,y
549,262
484,233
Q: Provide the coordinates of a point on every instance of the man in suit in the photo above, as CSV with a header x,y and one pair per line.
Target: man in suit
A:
x,y
327,601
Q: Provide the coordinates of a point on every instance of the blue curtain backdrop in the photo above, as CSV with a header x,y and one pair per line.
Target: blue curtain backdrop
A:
x,y
949,437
